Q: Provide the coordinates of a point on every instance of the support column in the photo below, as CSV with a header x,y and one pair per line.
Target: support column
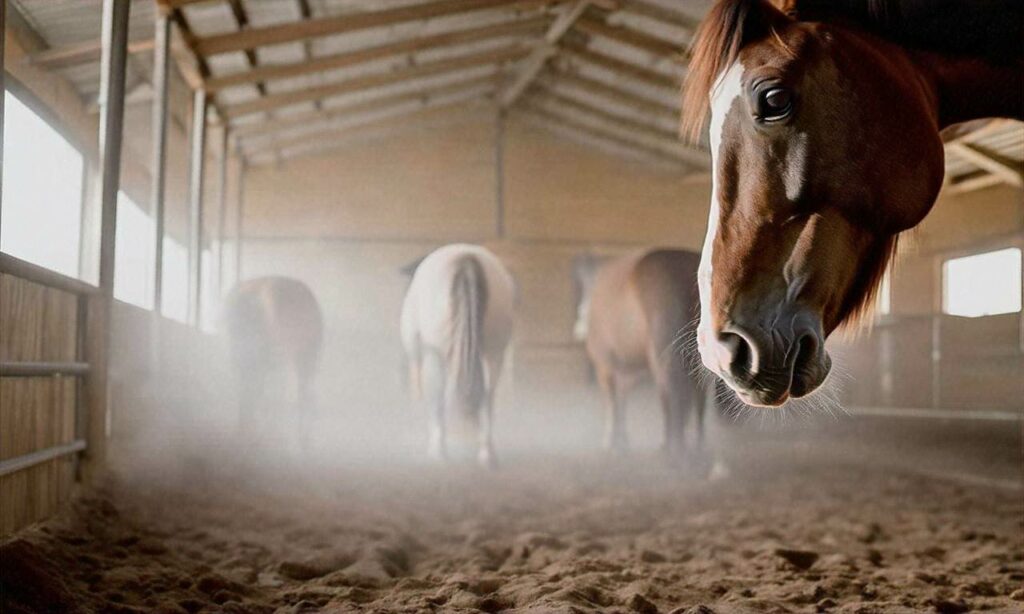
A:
x,y
222,208
195,205
161,57
499,174
111,98
243,168
3,94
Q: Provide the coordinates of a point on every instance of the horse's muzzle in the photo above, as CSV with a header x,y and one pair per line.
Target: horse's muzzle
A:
x,y
766,365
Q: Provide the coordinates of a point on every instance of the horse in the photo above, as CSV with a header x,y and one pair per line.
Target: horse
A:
x,y
273,326
456,322
825,122
635,314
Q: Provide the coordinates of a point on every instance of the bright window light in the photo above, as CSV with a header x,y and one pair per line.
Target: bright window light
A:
x,y
42,193
134,253
983,284
175,288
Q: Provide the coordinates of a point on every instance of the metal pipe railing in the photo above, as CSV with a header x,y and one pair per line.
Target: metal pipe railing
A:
x,y
43,369
43,276
41,456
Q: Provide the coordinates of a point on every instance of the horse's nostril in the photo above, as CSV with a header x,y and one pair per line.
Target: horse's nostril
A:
x,y
806,349
740,353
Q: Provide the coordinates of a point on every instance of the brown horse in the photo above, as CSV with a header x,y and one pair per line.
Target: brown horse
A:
x,y
636,314
824,135
274,328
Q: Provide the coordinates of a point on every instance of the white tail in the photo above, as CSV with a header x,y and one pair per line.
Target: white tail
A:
x,y
465,359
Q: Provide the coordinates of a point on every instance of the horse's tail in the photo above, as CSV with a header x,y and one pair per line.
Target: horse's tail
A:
x,y
465,358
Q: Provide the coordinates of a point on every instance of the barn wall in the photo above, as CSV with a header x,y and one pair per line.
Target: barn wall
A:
x,y
36,324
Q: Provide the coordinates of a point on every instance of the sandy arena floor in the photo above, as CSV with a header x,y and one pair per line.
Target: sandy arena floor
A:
x,y
800,524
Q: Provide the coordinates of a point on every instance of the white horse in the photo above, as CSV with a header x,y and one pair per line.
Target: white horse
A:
x,y
456,324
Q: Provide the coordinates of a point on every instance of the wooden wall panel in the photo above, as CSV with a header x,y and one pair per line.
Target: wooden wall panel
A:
x,y
36,324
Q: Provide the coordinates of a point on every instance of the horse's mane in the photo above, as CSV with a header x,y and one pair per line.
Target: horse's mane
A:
x,y
728,27
861,303
991,29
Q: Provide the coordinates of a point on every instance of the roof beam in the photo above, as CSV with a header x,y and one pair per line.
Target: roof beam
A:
x,y
1006,169
567,123
329,133
634,38
620,67
549,95
533,64
970,183
659,13
326,26
349,134
80,53
242,21
617,95
369,54
246,131
667,138
284,99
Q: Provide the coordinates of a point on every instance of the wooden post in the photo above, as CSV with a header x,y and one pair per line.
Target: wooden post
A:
x,y
499,174
195,205
222,212
240,217
111,97
3,94
161,57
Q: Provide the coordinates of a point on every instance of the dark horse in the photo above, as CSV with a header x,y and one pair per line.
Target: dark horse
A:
x,y
274,328
636,314
825,142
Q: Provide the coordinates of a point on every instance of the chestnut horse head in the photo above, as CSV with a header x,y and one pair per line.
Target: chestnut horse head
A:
x,y
825,145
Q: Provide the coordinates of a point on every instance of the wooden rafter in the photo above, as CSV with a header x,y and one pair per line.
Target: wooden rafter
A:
x,y
274,101
599,89
259,129
657,47
358,121
535,62
573,125
657,12
549,98
326,26
242,21
627,69
369,54
348,134
80,53
1008,170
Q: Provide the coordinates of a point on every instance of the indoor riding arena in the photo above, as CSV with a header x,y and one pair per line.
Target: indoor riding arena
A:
x,y
568,306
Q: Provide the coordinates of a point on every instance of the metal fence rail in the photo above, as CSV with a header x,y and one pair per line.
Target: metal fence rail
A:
x,y
78,368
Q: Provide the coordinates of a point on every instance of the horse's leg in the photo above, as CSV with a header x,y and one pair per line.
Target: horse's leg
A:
x,y
615,423
251,385
677,394
305,400
432,386
486,431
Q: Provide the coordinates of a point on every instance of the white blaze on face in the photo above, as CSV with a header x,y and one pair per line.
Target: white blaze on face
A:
x,y
726,90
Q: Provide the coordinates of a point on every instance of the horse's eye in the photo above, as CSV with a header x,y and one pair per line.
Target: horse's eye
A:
x,y
774,103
